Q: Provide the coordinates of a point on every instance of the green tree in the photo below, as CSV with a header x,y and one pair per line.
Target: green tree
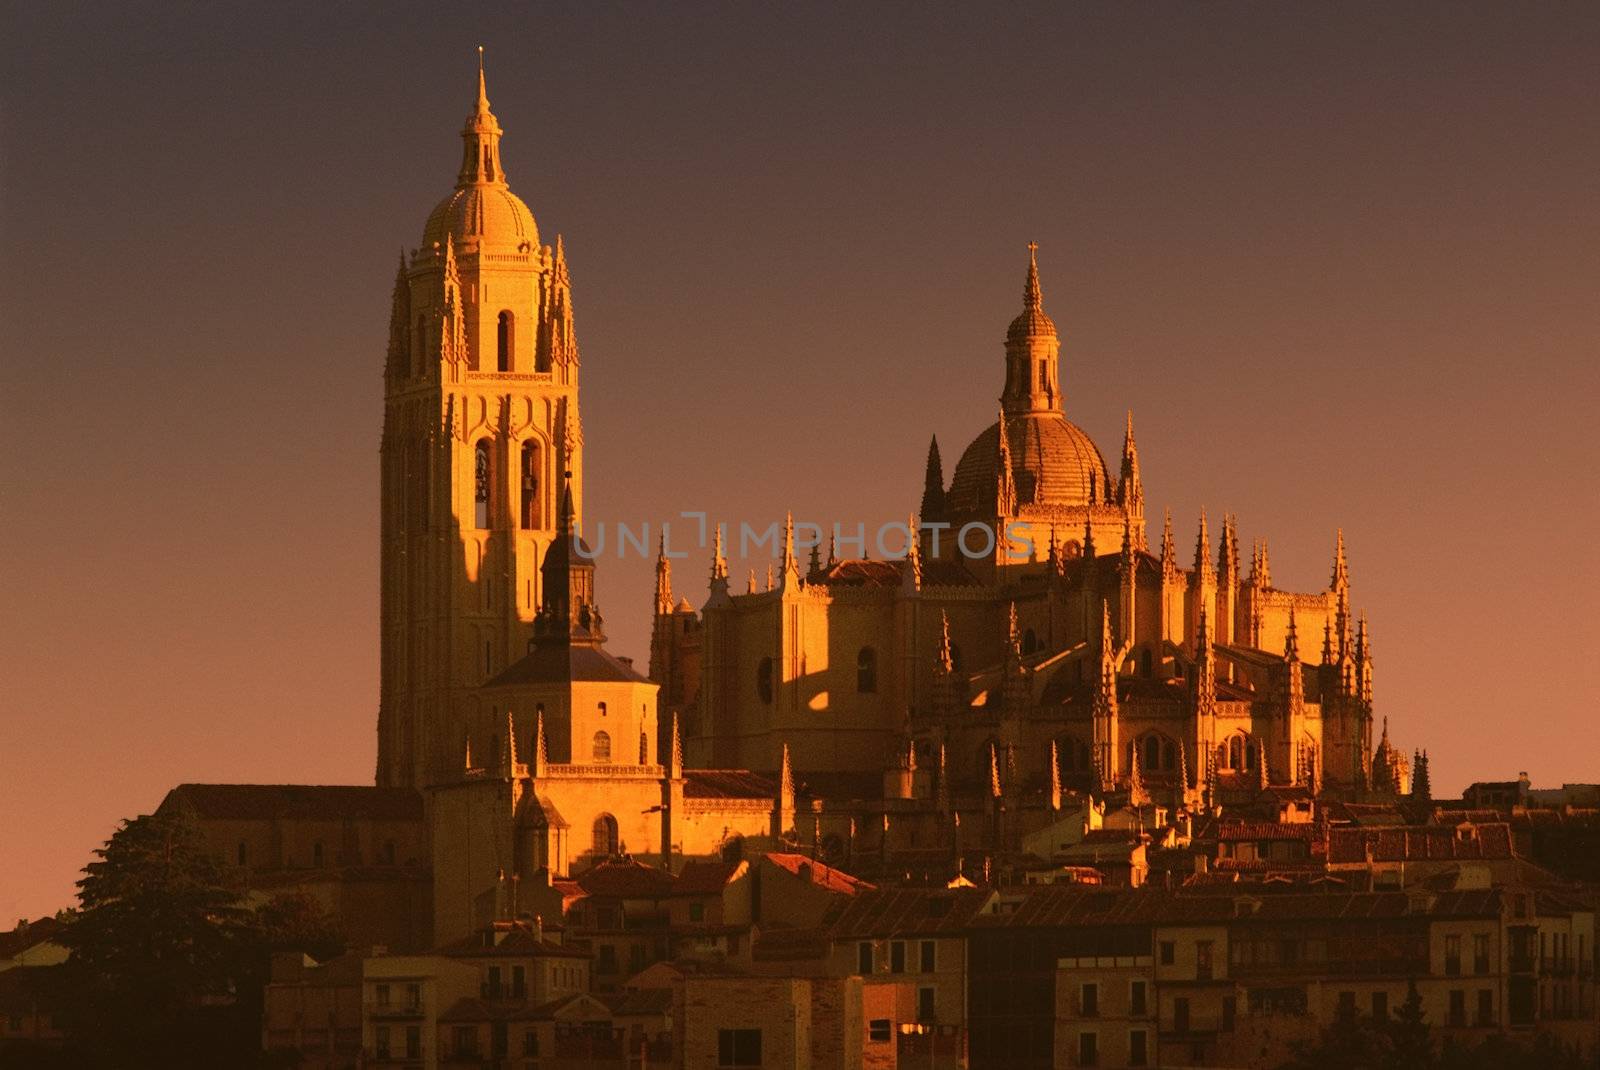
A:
x,y
158,946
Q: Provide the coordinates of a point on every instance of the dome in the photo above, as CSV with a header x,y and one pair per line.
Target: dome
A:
x,y
482,214
1053,463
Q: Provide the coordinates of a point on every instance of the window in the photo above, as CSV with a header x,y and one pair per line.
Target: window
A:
x,y
644,749
1030,641
381,1040
1146,668
867,670
1202,960
764,680
897,957
864,957
1180,1015
880,1031
1088,1049
530,484
1230,1008
1152,753
738,1047
1089,1000
413,996
480,484
605,835
493,987
1380,1006
926,959
1137,998
499,1042
316,854
606,959
466,1040
1168,952
697,912
530,1043
244,854
502,341
519,982
1138,1048
1480,952
1347,1005
381,995
1452,955
1458,1007
925,1004
413,1042
602,746
601,707
636,958
1485,1006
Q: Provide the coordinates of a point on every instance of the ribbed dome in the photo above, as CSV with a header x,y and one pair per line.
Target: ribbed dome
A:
x,y
1031,322
482,214
1053,463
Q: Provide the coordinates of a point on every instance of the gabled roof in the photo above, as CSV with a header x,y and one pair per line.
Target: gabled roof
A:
x,y
904,912
1419,843
819,874
706,878
266,802
34,933
518,943
626,880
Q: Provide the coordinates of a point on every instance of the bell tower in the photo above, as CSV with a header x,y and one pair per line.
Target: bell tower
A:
x,y
480,423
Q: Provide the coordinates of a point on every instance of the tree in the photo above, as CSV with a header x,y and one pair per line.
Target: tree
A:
x,y
157,948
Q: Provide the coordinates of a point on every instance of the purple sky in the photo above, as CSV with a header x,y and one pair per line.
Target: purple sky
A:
x,y
1341,263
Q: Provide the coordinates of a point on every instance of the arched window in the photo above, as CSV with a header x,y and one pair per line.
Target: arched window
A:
x,y
644,749
605,835
1073,755
1152,752
1235,758
602,746
530,484
503,340
1169,755
764,680
1030,641
1145,665
482,482
867,670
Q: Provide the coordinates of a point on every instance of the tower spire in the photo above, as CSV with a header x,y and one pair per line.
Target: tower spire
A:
x,y
1202,554
1169,553
1032,297
480,157
1031,351
1132,490
933,505
663,578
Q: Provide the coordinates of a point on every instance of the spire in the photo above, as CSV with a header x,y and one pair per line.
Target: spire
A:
x,y
943,791
911,567
1013,634
750,587
1421,782
1137,796
510,763
1169,555
1291,644
398,363
1203,572
663,578
1341,572
1132,490
1032,298
541,756
814,562
719,564
1228,551
1053,556
1127,543
789,562
1055,776
480,157
785,779
675,770
771,581
1006,487
933,504
946,663
1088,534
833,557
467,765
1261,566
994,772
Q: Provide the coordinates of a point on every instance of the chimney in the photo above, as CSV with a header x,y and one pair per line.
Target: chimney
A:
x,y
1201,863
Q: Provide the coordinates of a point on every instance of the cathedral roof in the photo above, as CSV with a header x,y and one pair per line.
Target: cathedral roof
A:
x,y
266,802
1053,463
481,214
559,663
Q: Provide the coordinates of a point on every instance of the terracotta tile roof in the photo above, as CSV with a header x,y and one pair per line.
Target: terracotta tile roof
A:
x,y
706,878
728,784
1418,843
1230,831
904,912
626,880
819,874
631,1002
265,802
790,945
472,1009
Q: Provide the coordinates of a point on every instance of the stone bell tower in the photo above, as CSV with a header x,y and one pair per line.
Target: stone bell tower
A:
x,y
480,422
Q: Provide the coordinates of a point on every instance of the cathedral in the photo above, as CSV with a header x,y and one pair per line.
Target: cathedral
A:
x,y
1030,662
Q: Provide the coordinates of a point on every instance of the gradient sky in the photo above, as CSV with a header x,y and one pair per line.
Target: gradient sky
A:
x,y
1341,263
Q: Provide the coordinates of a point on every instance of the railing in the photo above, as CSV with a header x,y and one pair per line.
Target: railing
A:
x,y
1521,963
1555,967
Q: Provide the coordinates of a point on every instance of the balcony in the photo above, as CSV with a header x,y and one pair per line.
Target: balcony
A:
x,y
389,1011
1551,966
1521,963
